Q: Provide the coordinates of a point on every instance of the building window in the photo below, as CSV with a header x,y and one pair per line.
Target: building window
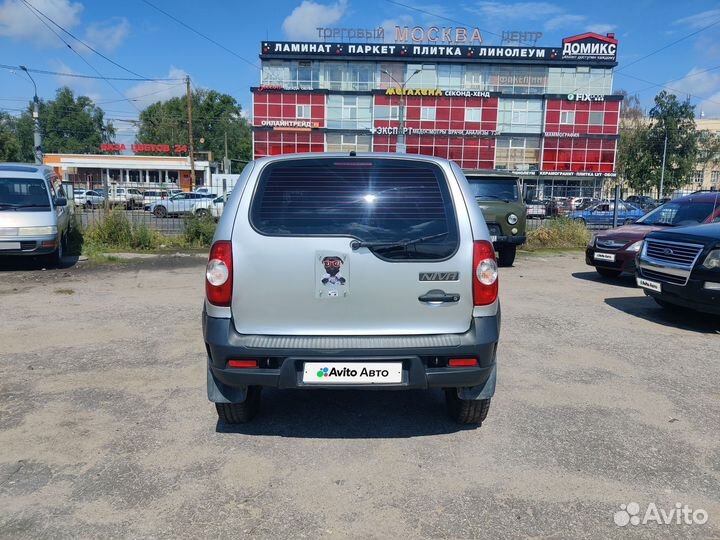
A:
x,y
387,112
697,177
303,111
473,114
518,80
518,153
450,76
520,116
715,177
337,142
426,76
580,79
427,113
596,118
475,77
359,77
349,112
567,117
391,74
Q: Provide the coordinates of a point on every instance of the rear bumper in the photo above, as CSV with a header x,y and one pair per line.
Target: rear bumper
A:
x,y
624,260
423,358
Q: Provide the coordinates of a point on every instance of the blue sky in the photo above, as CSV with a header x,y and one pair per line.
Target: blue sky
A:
x,y
140,38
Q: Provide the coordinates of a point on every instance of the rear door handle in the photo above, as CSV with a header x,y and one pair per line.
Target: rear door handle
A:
x,y
436,296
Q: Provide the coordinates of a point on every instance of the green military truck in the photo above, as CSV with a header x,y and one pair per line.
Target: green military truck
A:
x,y
500,197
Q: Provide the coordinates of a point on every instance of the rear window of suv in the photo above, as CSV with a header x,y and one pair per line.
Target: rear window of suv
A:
x,y
370,199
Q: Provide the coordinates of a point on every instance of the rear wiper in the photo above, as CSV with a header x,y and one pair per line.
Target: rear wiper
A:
x,y
357,244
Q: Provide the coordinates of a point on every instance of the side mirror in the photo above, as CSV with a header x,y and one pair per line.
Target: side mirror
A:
x,y
529,195
61,201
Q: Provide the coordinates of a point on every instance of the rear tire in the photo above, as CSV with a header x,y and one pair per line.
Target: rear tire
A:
x,y
580,220
240,413
608,272
466,411
507,255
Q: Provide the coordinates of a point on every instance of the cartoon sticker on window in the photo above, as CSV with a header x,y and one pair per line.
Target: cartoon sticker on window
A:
x,y
332,275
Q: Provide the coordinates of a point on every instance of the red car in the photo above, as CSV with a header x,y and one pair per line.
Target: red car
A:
x,y
613,252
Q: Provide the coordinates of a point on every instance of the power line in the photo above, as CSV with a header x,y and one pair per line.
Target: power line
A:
x,y
668,45
82,76
663,86
208,38
113,62
38,14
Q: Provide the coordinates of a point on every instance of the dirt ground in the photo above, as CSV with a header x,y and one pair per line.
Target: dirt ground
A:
x,y
603,399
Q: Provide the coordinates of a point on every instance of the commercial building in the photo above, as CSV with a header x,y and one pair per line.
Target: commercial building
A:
x,y
144,172
707,175
546,113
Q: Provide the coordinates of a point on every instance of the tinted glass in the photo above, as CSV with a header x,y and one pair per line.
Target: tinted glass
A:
x,y
373,200
677,213
25,193
494,189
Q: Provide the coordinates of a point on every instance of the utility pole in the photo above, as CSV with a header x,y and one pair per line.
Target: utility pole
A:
x,y
401,147
662,171
227,164
190,135
37,135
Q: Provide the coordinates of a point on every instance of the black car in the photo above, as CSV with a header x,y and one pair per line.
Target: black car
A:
x,y
642,201
681,267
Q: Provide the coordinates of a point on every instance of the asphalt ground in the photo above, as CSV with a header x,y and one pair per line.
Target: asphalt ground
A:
x,y
603,399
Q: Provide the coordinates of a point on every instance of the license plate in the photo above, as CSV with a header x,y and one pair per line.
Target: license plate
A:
x,y
493,238
329,373
647,284
610,257
9,245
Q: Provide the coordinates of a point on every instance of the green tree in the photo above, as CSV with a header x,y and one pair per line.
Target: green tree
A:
x,y
68,125
633,159
214,115
9,145
675,120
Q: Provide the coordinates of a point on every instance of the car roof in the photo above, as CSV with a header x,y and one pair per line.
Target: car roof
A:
x,y
331,155
699,197
27,168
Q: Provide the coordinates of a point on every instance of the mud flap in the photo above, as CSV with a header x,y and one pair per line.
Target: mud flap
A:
x,y
482,391
217,392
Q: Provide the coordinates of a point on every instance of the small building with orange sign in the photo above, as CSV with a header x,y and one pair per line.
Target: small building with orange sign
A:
x,y
93,171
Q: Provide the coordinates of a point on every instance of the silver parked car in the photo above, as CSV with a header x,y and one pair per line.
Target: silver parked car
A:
x,y
351,271
34,217
180,203
89,198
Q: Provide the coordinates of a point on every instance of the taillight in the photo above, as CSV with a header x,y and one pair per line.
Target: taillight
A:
x,y
485,273
462,362
218,274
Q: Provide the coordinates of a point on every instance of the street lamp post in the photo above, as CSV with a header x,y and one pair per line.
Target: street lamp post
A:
x,y
400,146
37,136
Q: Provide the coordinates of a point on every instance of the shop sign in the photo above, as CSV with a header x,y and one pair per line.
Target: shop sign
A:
x,y
452,35
420,131
435,92
591,174
509,37
585,97
590,46
155,148
307,124
561,134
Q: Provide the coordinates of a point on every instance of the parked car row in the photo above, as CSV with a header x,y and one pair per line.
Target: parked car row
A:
x,y
131,198
674,251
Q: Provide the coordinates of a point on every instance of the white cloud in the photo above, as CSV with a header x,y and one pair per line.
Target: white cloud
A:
x,y
601,28
524,10
700,82
17,21
304,20
148,92
80,86
699,19
107,35
564,21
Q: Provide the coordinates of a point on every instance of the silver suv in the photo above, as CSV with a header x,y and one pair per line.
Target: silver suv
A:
x,y
351,271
